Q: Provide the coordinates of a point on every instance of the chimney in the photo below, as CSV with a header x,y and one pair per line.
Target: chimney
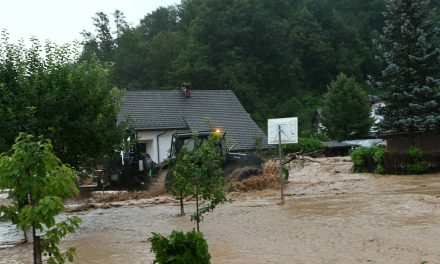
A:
x,y
186,88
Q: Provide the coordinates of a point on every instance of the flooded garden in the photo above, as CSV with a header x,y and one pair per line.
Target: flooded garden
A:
x,y
330,215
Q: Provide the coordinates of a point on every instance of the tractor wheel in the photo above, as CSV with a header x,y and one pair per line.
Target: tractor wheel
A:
x,y
241,174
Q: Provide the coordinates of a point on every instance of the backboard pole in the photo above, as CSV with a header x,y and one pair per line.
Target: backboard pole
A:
x,y
281,164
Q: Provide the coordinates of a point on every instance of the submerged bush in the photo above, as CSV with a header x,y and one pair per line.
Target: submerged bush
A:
x,y
368,159
378,160
378,157
418,165
358,157
180,248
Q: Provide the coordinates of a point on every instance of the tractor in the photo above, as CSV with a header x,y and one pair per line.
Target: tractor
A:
x,y
129,169
236,165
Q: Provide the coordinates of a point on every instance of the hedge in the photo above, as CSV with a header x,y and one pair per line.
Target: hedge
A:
x,y
378,160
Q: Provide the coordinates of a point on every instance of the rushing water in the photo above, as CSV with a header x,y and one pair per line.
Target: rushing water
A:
x,y
335,219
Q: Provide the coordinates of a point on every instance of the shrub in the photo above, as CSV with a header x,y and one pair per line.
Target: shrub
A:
x,y
378,157
358,157
180,248
418,165
369,159
378,160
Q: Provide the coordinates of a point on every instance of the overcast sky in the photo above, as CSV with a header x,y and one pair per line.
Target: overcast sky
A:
x,y
61,21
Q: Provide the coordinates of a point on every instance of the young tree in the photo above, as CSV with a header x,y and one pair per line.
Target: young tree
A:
x,y
183,170
409,47
38,182
200,175
346,110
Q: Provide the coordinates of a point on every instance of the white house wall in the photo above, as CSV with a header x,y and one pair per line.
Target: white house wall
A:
x,y
164,143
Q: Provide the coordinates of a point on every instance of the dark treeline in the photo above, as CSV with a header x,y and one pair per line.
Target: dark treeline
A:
x,y
278,56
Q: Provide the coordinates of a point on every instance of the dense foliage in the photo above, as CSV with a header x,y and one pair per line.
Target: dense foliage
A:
x,y
409,47
417,165
359,156
378,157
38,182
66,101
346,110
367,159
379,160
180,248
277,56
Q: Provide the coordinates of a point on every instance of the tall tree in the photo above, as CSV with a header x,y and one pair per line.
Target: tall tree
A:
x,y
101,44
346,110
68,102
409,47
121,24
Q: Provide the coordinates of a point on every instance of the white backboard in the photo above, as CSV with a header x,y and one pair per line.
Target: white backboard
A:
x,y
289,130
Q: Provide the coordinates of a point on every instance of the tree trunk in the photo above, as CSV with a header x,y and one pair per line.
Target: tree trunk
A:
x,y
411,134
37,247
182,211
35,238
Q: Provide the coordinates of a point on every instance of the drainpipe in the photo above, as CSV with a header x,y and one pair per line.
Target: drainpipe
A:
x,y
157,144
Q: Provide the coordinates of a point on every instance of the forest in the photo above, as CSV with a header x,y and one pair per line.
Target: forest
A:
x,y
278,56
281,58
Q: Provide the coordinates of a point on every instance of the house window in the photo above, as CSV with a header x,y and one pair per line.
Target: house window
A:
x,y
189,144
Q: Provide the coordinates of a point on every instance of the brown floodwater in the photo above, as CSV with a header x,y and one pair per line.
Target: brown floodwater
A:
x,y
330,216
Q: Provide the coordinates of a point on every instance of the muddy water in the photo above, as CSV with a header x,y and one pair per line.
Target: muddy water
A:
x,y
330,216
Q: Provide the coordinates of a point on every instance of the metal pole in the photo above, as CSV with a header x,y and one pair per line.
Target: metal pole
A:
x,y
281,164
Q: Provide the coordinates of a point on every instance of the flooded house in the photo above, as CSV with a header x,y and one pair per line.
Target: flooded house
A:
x,y
156,115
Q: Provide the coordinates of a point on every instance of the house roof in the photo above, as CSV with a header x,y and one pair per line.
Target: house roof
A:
x,y
168,110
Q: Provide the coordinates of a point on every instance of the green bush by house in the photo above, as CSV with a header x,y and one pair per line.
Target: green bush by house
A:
x,y
379,160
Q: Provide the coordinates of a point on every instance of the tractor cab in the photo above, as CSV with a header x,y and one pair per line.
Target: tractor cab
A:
x,y
192,140
236,164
